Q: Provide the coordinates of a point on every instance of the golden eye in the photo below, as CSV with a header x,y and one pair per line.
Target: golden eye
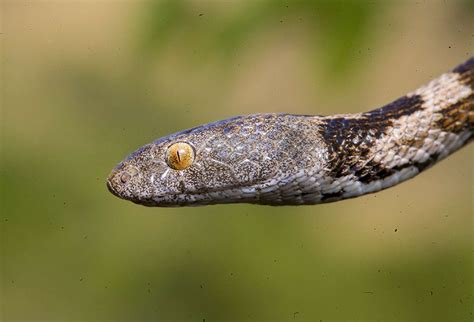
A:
x,y
180,156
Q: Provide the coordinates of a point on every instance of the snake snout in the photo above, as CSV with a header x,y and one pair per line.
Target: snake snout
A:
x,y
110,184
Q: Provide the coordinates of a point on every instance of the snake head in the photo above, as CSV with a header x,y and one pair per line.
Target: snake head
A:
x,y
223,162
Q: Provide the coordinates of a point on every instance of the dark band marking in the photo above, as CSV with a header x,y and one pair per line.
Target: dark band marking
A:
x,y
378,172
332,195
350,139
421,166
405,105
458,117
374,171
466,72
467,66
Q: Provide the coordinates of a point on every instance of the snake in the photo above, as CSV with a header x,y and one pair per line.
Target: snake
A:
x,y
287,159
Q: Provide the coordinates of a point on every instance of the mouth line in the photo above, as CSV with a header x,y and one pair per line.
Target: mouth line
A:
x,y
112,189
171,199
198,193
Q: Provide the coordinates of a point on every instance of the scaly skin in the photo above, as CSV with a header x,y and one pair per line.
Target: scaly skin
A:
x,y
284,159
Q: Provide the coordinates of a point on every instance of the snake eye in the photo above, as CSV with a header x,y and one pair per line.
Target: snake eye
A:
x,y
180,156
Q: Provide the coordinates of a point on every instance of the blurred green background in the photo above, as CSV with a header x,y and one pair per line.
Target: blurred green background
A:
x,y
84,83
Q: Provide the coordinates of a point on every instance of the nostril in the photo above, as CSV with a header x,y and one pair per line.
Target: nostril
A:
x,y
125,177
120,179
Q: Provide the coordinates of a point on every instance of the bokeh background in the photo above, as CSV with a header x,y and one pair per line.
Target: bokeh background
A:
x,y
84,83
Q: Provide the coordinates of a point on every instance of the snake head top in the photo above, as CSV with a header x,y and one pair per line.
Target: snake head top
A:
x,y
235,160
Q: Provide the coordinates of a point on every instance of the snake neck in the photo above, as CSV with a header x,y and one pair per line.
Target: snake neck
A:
x,y
388,145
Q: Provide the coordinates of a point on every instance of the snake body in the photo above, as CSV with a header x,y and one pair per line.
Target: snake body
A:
x,y
286,159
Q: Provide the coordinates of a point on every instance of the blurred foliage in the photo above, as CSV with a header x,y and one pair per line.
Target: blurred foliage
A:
x,y
467,8
340,28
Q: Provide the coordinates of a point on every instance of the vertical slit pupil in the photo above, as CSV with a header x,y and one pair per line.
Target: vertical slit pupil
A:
x,y
178,156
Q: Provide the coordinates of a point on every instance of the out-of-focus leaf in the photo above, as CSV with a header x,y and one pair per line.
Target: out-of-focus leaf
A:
x,y
338,28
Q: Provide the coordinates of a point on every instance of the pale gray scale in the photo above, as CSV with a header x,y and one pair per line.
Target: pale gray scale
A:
x,y
360,189
269,189
246,130
213,142
453,142
234,142
311,184
237,157
199,180
275,132
246,171
290,189
220,153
